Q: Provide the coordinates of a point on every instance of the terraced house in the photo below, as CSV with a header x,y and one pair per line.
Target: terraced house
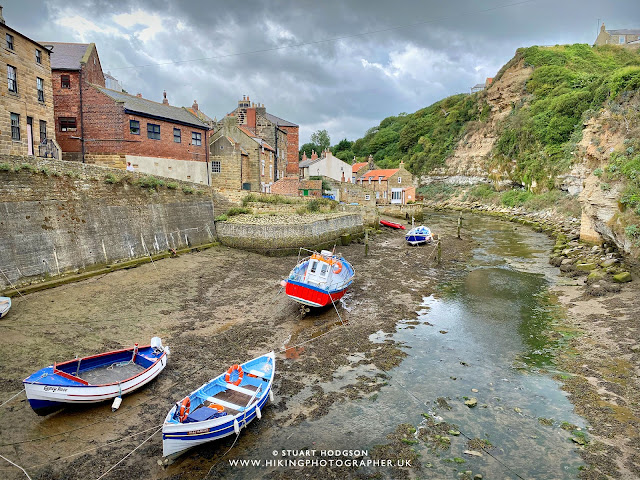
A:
x,y
391,185
240,160
26,98
108,127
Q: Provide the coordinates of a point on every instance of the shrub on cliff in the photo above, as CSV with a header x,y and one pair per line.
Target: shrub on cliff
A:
x,y
150,182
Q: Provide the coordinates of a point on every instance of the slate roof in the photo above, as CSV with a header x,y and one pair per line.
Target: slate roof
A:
x,y
67,56
198,113
384,173
632,31
148,108
280,121
309,162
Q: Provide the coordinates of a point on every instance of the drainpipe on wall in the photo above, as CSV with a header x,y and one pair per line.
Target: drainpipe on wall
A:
x,y
81,115
206,151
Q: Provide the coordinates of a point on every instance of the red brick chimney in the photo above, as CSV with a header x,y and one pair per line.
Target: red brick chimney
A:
x,y
164,100
139,95
304,156
195,106
314,155
251,117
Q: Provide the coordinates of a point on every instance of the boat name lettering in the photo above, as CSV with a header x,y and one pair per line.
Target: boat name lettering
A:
x,y
196,432
55,389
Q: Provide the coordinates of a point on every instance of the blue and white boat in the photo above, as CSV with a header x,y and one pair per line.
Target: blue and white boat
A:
x,y
220,407
96,378
5,305
418,235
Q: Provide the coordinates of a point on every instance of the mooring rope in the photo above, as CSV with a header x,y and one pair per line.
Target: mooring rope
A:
x,y
12,398
16,465
129,454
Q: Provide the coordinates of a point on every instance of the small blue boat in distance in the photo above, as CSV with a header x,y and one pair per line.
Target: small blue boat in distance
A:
x,y
5,306
418,235
220,407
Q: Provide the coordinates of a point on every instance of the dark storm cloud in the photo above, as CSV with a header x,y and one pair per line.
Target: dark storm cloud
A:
x,y
346,85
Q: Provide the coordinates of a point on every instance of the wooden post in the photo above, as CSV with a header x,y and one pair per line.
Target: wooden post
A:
x,y
439,250
366,242
459,224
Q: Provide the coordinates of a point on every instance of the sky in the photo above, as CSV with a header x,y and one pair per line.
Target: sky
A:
x,y
340,65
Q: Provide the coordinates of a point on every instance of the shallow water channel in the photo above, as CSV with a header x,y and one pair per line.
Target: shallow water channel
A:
x,y
481,335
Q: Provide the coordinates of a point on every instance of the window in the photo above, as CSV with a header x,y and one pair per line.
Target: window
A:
x,y
38,56
396,195
314,265
43,131
65,81
15,126
263,167
367,197
324,269
9,41
134,127
40,87
384,194
377,195
369,180
12,79
153,131
399,179
270,171
196,138
621,40
215,167
380,177
67,124
177,135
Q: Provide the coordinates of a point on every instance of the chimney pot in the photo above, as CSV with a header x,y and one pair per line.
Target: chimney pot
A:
x,y
139,95
164,100
195,105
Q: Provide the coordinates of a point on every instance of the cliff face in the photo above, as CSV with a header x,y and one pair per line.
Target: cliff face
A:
x,y
586,173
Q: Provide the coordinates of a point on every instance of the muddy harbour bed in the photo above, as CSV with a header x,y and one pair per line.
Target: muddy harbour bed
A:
x,y
487,365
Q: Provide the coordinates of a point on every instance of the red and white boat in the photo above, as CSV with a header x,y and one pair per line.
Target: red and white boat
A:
x,y
319,279
96,378
387,223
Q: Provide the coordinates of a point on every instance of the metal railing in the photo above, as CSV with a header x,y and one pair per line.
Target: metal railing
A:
x,y
48,149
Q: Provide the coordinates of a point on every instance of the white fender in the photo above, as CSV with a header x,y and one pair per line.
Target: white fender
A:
x,y
271,395
258,412
236,426
116,404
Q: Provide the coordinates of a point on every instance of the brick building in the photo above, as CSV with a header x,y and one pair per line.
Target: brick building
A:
x,y
281,134
240,159
26,97
360,168
392,185
108,127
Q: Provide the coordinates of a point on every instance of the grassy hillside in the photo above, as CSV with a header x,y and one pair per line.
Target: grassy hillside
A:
x,y
568,84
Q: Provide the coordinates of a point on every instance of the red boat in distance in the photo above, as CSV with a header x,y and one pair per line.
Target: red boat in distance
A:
x,y
391,224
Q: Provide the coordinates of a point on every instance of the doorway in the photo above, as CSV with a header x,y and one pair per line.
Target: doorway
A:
x,y
29,136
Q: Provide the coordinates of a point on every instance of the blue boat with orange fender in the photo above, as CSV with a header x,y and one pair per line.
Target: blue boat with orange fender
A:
x,y
319,279
220,407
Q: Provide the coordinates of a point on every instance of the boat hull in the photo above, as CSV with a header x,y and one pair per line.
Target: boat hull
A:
x,y
418,239
51,392
5,306
386,223
312,296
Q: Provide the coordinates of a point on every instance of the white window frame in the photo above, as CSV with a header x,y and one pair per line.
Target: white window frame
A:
x,y
367,197
40,88
12,78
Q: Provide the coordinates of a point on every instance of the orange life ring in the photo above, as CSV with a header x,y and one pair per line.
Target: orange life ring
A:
x,y
184,409
337,267
217,407
227,377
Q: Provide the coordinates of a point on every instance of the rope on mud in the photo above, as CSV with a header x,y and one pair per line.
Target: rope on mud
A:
x,y
12,398
94,448
12,286
16,465
129,454
223,455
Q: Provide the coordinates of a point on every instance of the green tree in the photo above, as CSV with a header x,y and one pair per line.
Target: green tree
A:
x,y
308,148
321,139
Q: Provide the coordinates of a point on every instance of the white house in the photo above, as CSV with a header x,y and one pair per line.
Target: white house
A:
x,y
325,166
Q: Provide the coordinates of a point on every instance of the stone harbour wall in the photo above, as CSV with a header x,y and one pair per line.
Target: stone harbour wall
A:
x,y
284,235
59,217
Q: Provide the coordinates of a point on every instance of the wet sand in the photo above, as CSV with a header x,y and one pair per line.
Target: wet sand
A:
x,y
213,308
